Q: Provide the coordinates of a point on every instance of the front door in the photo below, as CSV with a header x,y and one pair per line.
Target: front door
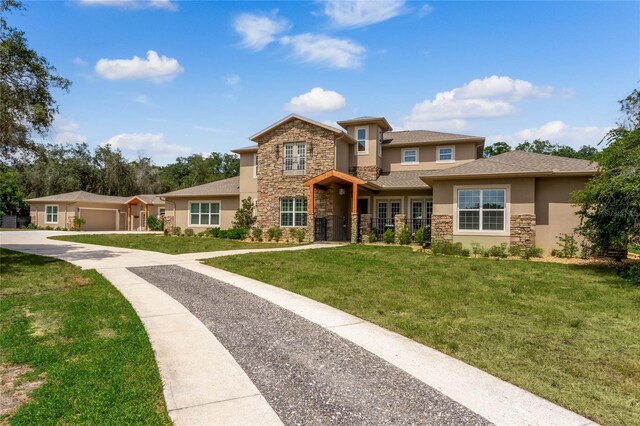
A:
x,y
363,206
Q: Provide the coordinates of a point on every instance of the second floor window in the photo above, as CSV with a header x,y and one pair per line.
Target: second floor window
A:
x,y
361,136
295,157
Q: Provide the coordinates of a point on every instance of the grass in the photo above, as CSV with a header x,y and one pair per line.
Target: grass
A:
x,y
568,333
83,339
167,244
634,249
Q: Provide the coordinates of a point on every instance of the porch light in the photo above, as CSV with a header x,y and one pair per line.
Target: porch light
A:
x,y
341,191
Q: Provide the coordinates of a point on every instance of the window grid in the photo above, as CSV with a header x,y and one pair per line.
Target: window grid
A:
x,y
445,154
204,214
410,156
362,139
51,214
295,157
293,212
481,210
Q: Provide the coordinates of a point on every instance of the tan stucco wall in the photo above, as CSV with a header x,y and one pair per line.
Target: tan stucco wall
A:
x,y
343,151
554,213
370,159
248,183
180,210
67,211
392,157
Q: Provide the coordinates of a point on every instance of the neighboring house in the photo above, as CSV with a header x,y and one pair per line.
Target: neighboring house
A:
x,y
337,184
101,212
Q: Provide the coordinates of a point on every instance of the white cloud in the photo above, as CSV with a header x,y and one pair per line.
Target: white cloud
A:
x,y
328,51
134,4
352,14
559,132
258,31
155,67
151,144
65,131
317,100
143,100
488,97
232,80
425,10
79,61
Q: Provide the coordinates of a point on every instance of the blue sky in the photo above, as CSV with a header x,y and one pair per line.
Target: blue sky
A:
x,y
210,74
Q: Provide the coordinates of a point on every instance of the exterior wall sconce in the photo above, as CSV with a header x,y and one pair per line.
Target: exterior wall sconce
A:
x,y
341,191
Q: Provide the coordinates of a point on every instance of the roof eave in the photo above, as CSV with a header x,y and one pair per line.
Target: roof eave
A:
x,y
478,141
549,173
291,117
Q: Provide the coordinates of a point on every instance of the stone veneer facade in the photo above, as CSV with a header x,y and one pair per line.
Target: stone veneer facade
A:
x,y
441,227
273,184
366,173
523,230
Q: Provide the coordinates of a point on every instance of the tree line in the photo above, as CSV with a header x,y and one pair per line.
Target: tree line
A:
x,y
586,152
52,169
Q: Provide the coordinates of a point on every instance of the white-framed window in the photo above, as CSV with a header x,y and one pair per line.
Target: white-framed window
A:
x,y
293,212
362,145
482,210
204,213
161,211
255,165
380,140
51,213
295,157
446,154
410,156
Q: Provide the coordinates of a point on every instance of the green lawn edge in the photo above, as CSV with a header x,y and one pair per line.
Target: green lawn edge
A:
x,y
84,338
169,244
568,333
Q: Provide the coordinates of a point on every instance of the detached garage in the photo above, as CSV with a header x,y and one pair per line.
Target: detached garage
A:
x,y
101,212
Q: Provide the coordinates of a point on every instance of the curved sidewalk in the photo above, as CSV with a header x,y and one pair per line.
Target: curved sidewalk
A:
x,y
204,384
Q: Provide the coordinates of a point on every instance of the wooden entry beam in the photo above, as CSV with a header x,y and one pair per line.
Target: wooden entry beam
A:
x,y
354,198
311,201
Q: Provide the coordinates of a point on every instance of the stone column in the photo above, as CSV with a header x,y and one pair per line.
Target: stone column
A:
x,y
365,225
354,228
310,229
169,223
399,222
442,227
523,230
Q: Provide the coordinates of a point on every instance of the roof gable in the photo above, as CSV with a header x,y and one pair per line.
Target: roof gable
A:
x,y
294,117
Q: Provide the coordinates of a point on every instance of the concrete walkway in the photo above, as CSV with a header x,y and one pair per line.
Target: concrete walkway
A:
x,y
205,384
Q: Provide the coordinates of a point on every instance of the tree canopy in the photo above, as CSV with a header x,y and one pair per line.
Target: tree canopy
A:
x,y
27,106
610,202
586,152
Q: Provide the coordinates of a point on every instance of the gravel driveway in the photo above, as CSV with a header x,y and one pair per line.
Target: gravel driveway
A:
x,y
308,374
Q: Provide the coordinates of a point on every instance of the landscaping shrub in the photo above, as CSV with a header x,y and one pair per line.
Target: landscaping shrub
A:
x,y
372,236
166,232
177,231
530,252
274,233
515,251
214,232
50,228
189,232
450,249
233,233
204,233
404,237
476,249
77,223
422,235
631,272
501,251
244,217
155,224
567,246
256,234
32,226
297,234
388,236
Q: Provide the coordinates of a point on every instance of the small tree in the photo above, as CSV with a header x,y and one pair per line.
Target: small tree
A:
x,y
244,217
78,222
610,202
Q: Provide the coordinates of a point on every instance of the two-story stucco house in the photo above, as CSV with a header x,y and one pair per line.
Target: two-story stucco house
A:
x,y
337,184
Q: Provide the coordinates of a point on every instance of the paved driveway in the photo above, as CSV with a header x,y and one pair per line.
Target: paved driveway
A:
x,y
232,350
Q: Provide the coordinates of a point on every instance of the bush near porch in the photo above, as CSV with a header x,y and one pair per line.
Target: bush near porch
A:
x,y
568,333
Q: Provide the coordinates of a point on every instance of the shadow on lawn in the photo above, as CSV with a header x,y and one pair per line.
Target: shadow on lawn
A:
x,y
11,262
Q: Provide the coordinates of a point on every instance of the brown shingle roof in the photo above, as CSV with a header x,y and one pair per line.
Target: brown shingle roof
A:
x,y
149,199
425,137
229,186
245,149
401,179
516,162
71,197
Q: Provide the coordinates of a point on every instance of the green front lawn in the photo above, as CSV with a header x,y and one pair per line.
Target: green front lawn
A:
x,y
568,333
82,339
168,244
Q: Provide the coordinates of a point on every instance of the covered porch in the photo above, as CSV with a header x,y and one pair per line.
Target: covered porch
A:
x,y
333,206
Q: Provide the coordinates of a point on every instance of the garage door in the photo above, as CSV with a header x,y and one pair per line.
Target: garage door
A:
x,y
98,220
